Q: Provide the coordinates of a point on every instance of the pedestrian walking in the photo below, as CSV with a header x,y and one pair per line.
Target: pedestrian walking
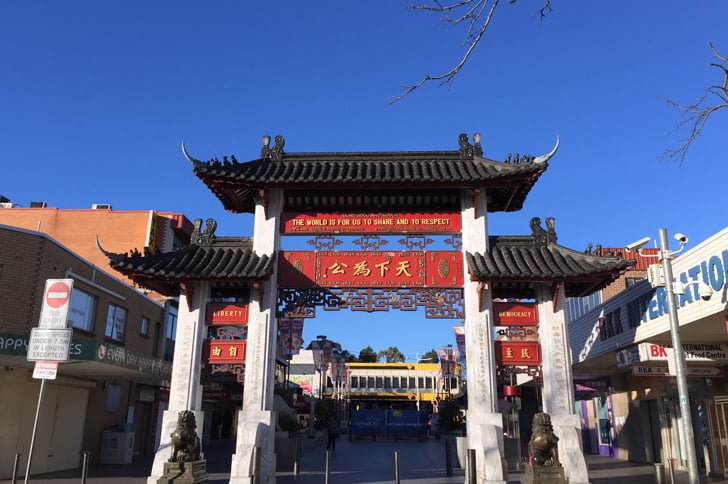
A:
x,y
332,427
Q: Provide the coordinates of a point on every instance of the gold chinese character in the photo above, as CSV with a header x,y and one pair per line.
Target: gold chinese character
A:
x,y
526,353
361,269
233,351
402,268
216,351
337,268
509,353
382,266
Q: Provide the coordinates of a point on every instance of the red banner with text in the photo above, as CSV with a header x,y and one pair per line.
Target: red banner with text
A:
x,y
370,269
226,313
515,314
225,351
366,223
517,353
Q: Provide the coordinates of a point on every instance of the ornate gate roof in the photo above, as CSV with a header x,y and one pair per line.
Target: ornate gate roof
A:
x,y
221,260
237,184
513,263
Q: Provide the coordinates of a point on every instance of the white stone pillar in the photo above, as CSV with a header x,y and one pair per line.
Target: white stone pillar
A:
x,y
558,385
257,420
485,424
185,392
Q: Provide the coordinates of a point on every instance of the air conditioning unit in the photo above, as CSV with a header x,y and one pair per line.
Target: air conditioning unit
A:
x,y
6,205
38,204
101,206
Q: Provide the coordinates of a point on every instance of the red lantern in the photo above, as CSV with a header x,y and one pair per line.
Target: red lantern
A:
x,y
511,391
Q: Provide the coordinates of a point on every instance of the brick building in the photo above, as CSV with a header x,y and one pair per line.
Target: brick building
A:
x,y
118,230
114,372
577,307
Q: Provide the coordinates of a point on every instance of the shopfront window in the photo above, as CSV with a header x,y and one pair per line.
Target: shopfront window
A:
x,y
115,323
82,310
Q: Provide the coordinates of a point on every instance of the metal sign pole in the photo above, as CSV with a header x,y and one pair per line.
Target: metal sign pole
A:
x,y
35,427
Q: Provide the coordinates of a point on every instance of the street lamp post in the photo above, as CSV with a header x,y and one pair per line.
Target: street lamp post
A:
x,y
665,257
447,352
317,349
679,356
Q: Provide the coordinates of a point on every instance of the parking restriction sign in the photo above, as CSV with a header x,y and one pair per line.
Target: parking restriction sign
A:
x,y
45,370
49,344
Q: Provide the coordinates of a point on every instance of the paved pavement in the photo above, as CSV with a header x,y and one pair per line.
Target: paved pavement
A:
x,y
360,462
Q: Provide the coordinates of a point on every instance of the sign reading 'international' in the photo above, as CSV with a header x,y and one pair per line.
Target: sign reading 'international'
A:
x,y
370,269
651,352
362,223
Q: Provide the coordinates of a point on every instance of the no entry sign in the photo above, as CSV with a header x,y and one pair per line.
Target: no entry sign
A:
x,y
57,294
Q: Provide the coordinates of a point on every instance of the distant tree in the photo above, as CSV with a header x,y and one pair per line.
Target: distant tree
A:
x,y
450,416
695,115
367,355
391,355
430,357
348,357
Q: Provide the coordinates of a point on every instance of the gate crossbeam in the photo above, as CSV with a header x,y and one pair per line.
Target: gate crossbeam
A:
x,y
438,303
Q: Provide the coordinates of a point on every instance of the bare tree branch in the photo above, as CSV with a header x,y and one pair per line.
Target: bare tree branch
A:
x,y
696,115
448,76
477,15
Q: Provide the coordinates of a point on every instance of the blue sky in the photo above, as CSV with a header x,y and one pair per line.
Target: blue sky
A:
x,y
96,97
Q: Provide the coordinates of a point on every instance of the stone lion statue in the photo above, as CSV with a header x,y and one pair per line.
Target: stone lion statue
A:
x,y
544,445
185,442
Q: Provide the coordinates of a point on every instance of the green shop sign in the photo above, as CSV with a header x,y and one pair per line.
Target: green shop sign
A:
x,y
86,350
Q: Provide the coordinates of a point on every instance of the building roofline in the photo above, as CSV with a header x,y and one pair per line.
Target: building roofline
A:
x,y
45,236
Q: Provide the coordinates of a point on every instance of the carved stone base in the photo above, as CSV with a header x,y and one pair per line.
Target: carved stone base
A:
x,y
544,475
184,472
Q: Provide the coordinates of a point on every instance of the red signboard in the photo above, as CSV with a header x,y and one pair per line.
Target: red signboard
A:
x,y
226,313
363,269
444,269
225,351
365,223
370,269
515,314
296,268
517,353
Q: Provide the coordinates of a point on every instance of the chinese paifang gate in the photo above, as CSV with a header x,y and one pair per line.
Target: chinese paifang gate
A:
x,y
328,194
